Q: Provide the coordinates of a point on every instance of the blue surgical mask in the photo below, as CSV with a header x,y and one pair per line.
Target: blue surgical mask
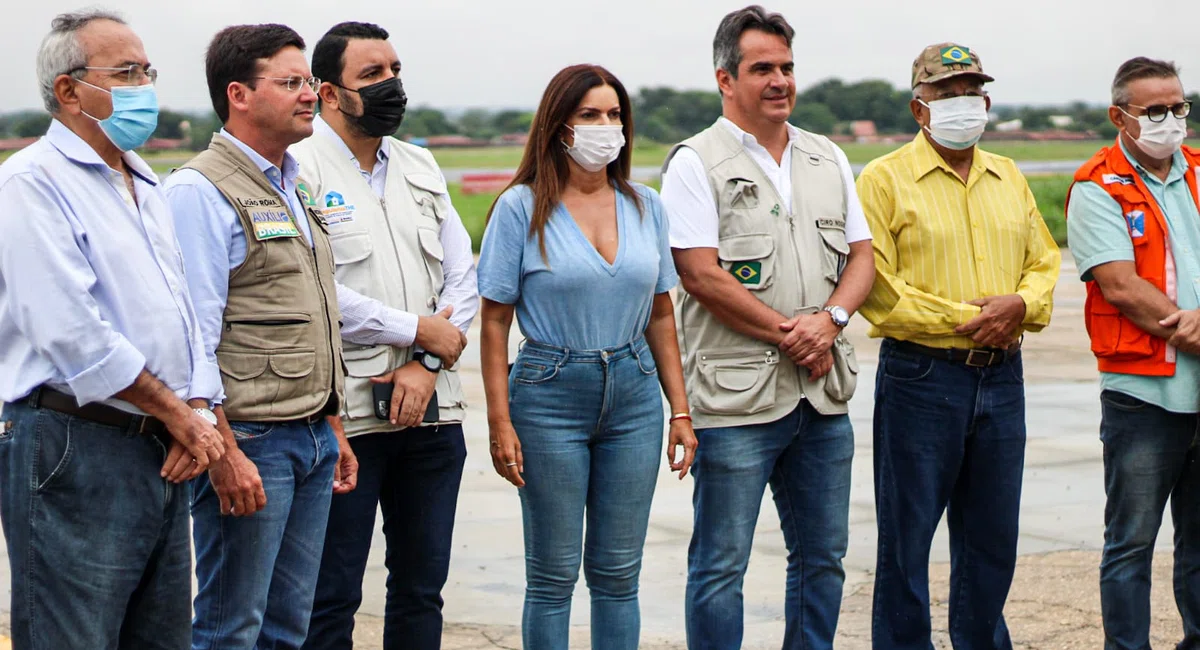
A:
x,y
134,115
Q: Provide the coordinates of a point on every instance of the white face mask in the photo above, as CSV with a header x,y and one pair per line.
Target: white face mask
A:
x,y
596,145
1160,140
957,122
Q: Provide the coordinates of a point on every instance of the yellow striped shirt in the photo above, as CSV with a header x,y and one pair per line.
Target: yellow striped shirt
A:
x,y
940,242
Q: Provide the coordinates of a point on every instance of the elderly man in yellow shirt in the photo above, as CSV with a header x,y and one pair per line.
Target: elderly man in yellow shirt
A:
x,y
964,265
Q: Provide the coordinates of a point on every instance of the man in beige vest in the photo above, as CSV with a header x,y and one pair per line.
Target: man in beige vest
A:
x,y
397,239
261,270
773,255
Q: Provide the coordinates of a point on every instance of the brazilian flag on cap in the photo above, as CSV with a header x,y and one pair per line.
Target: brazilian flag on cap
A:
x,y
956,55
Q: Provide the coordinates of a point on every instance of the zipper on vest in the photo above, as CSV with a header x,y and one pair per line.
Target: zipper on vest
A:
x,y
387,222
268,323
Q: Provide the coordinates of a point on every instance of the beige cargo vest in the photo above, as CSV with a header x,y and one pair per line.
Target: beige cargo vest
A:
x,y
789,261
280,352
389,250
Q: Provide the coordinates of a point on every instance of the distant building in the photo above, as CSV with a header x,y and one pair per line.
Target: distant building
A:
x,y
15,144
1061,121
1010,126
864,131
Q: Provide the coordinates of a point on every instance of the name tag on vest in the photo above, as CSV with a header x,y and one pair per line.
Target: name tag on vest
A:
x,y
334,215
272,223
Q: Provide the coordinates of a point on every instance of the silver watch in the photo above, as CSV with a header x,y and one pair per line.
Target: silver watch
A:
x,y
840,316
207,415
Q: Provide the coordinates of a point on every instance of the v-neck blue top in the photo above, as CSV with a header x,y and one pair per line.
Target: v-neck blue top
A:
x,y
577,300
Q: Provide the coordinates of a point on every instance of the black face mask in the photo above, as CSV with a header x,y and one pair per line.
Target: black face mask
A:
x,y
383,106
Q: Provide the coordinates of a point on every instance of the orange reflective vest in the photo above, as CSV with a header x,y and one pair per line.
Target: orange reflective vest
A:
x,y
1121,346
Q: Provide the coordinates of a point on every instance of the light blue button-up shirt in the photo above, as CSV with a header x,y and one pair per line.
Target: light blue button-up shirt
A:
x,y
214,243
92,289
1098,233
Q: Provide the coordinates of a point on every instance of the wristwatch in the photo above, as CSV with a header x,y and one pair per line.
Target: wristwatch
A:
x,y
840,316
430,362
207,415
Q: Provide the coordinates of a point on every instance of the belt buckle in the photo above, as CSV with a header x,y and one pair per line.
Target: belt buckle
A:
x,y
976,364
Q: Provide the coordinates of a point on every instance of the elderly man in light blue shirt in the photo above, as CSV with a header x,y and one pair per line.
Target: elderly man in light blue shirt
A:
x,y
101,350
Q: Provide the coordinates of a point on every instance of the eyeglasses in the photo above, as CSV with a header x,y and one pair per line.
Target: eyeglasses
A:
x,y
1158,112
295,82
132,74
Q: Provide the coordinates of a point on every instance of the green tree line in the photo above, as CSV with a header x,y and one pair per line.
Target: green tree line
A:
x,y
661,114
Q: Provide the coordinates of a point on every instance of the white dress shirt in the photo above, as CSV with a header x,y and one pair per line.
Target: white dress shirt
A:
x,y
689,198
92,287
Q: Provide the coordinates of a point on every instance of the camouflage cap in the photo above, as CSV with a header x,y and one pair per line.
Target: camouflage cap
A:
x,y
946,60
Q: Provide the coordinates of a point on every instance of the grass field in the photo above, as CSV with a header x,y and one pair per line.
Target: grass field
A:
x,y
1050,192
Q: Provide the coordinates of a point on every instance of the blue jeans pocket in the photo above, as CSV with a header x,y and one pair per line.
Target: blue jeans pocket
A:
x,y
53,450
1121,401
907,367
251,430
534,370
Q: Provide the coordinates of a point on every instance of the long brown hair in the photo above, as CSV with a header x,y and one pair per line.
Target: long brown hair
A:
x,y
544,166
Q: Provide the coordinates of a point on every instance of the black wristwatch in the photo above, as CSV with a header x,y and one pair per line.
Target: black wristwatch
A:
x,y
430,362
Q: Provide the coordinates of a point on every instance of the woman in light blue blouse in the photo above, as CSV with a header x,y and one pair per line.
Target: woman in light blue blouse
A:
x,y
580,254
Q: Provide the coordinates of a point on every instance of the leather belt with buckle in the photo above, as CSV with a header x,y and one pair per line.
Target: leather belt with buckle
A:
x,y
973,357
48,398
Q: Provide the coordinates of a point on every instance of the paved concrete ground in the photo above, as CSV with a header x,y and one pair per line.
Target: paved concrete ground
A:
x,y
1054,603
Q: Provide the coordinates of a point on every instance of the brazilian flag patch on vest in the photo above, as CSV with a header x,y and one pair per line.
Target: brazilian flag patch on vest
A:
x,y
955,55
747,272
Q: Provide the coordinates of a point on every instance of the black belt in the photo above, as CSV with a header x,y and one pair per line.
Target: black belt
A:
x,y
974,357
48,398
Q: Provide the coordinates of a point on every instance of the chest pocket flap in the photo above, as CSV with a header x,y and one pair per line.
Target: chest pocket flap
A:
x,y
750,258
429,192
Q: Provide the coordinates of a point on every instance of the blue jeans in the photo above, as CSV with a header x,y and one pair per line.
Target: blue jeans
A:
x,y
948,437
591,430
1150,455
805,457
257,574
97,541
413,476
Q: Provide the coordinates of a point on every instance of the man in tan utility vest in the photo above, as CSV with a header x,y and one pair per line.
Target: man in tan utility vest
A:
x,y
397,239
773,255
262,271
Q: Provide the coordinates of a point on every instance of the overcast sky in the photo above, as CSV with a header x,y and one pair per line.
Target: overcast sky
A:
x,y
501,53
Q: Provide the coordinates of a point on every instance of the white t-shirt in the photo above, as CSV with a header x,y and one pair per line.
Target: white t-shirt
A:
x,y
689,200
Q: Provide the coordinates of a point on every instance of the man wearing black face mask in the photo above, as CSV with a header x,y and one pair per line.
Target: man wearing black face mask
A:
x,y
398,242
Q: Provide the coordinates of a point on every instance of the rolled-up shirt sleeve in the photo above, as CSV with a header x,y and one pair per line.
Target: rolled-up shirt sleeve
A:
x,y
51,304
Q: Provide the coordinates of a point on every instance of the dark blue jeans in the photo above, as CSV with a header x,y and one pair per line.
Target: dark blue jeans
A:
x,y
948,437
258,574
806,458
1150,456
413,476
97,541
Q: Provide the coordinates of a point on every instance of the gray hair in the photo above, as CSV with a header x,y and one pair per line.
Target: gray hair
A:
x,y
61,51
1139,68
727,53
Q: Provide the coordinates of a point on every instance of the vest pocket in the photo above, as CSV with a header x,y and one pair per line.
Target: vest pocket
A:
x,y
736,382
842,379
361,365
266,332
837,250
750,258
351,252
